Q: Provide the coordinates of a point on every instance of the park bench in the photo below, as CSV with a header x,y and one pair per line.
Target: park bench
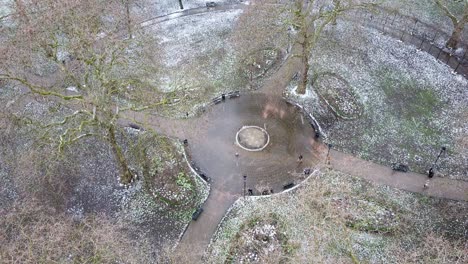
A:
x,y
210,4
400,167
197,214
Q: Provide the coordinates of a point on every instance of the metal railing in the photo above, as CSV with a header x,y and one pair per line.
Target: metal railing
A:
x,y
423,36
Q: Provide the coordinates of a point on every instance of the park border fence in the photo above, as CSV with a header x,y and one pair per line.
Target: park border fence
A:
x,y
421,35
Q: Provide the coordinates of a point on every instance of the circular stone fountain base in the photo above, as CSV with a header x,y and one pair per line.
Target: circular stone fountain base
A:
x,y
252,138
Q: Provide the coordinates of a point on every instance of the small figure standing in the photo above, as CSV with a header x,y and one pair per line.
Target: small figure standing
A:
x,y
300,158
426,185
431,173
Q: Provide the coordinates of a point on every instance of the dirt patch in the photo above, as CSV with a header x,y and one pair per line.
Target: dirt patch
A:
x,y
259,240
260,62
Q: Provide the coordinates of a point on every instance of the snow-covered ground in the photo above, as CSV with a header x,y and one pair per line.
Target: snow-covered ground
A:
x,y
428,12
413,104
5,7
199,61
332,214
184,39
5,10
200,58
154,8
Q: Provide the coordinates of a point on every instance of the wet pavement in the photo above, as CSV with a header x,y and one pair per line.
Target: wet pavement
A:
x,y
409,181
212,142
214,149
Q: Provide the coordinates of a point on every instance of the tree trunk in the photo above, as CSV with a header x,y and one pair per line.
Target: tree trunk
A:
x,y
456,35
301,88
125,174
129,21
181,5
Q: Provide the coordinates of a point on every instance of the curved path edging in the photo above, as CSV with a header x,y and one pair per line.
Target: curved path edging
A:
x,y
256,197
248,149
208,187
443,188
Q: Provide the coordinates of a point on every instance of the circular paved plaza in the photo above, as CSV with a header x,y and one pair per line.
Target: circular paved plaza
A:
x,y
276,130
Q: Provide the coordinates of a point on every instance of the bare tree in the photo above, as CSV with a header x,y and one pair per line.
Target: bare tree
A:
x,y
265,21
78,44
310,19
458,23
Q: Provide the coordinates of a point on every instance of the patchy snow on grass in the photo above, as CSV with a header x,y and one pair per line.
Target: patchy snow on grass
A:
x,y
199,61
153,8
413,104
185,38
5,8
428,12
332,216
292,91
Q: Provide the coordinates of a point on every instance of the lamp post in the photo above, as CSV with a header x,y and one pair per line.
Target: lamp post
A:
x,y
245,184
431,169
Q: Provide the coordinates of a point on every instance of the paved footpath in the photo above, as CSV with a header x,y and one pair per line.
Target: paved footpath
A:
x,y
198,234
224,194
409,181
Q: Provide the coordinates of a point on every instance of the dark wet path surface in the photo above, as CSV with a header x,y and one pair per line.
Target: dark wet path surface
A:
x,y
214,148
212,142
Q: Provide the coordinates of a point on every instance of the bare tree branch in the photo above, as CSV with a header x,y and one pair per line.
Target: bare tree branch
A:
x,y
40,90
447,12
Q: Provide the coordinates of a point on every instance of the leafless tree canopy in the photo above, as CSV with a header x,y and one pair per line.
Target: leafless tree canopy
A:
x,y
88,46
